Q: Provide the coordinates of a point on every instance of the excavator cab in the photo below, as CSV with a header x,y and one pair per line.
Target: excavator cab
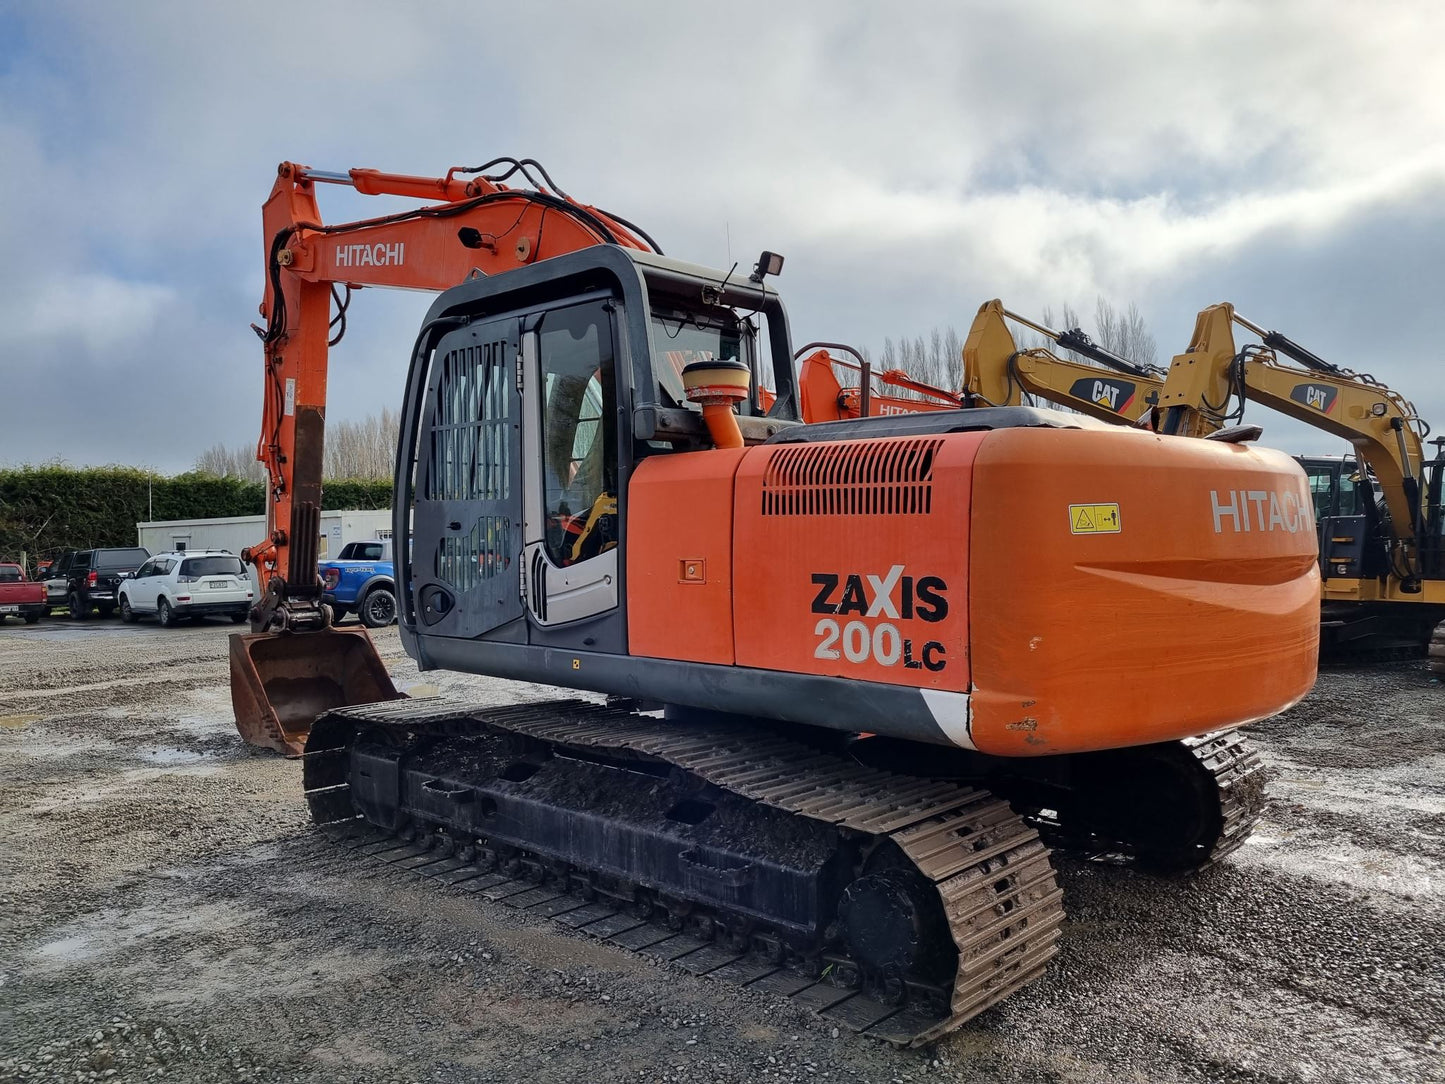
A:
x,y
1347,517
528,406
531,398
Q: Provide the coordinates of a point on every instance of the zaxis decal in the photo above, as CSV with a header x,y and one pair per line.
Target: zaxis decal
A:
x,y
891,595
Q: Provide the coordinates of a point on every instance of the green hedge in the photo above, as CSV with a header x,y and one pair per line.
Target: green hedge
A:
x,y
50,508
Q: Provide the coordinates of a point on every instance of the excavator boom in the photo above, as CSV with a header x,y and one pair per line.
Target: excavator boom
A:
x,y
479,227
998,373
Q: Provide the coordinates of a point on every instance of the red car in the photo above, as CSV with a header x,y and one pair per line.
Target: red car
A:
x,y
20,597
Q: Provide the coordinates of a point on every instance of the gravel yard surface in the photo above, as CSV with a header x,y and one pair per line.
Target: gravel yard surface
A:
x,y
166,912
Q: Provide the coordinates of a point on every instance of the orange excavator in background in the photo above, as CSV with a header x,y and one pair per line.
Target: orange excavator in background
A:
x,y
996,372
824,398
898,657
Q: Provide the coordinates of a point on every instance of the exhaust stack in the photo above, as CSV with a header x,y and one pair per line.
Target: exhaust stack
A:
x,y
719,386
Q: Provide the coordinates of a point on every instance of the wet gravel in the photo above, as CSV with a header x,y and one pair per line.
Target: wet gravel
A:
x,y
166,913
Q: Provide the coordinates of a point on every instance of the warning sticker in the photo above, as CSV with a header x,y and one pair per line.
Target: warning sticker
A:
x,y
1094,519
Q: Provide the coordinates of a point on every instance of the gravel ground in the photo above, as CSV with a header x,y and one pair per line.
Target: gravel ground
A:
x,y
165,912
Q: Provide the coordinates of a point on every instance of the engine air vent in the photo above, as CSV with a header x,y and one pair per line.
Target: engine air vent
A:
x,y
855,478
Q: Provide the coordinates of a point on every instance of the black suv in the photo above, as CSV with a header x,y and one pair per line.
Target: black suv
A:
x,y
57,580
93,575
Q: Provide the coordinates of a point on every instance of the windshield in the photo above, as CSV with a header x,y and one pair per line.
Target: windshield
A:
x,y
9,573
212,566
681,338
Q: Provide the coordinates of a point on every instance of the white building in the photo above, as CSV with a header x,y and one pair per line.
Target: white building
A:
x,y
235,533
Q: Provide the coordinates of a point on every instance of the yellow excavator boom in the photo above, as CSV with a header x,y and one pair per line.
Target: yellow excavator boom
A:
x,y
998,372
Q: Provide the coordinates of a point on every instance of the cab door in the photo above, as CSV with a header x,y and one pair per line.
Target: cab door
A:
x,y
571,457
57,580
467,530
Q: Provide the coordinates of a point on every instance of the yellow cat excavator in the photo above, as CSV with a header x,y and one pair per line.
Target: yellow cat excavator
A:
x,y
1382,565
997,372
898,657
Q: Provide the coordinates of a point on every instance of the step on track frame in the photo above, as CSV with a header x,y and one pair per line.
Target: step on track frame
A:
x,y
991,872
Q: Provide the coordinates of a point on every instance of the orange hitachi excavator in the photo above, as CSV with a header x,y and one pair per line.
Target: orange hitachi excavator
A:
x,y
824,398
897,658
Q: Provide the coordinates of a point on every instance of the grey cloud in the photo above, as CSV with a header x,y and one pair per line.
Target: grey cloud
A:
x,y
911,161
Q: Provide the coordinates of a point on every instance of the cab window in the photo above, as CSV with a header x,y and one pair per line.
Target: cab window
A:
x,y
579,432
1322,491
1352,492
680,338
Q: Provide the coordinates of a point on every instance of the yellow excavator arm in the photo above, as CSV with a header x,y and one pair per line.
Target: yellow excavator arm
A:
x,y
1205,388
997,372
1209,383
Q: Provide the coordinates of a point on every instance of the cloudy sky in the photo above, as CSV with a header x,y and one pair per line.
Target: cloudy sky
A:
x,y
911,161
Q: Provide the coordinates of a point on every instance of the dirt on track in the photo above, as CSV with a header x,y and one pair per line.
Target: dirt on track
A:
x,y
166,912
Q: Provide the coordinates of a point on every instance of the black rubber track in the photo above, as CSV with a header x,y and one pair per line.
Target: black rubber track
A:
x,y
992,875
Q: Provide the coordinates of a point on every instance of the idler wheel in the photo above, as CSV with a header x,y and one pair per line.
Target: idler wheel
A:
x,y
893,923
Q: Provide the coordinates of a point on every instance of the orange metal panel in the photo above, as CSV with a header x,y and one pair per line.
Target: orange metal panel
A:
x,y
679,556
1130,588
852,559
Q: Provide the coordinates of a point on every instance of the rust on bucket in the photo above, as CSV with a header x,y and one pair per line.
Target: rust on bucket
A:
x,y
281,682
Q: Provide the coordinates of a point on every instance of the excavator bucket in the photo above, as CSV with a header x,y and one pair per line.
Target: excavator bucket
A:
x,y
281,682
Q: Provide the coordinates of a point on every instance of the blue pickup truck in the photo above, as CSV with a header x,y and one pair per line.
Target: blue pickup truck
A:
x,y
362,580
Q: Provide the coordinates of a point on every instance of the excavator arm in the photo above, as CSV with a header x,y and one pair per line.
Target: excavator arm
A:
x,y
997,372
823,398
477,226
1384,428
481,227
